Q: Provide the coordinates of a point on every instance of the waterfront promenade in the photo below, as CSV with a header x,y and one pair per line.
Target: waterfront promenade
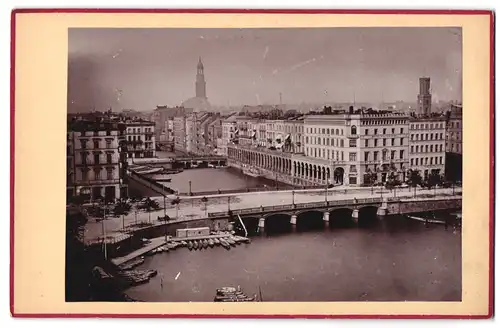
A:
x,y
191,208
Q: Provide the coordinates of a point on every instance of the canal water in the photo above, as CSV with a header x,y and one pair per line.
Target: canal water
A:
x,y
210,179
394,259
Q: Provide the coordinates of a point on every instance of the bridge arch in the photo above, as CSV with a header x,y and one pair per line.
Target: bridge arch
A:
x,y
276,223
310,219
251,223
367,215
341,217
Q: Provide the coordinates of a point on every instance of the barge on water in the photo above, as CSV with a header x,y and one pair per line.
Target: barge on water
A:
x,y
232,294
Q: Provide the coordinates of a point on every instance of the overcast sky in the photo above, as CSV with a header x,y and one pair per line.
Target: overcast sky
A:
x,y
142,68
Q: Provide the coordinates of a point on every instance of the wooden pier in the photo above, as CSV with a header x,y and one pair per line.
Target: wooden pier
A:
x,y
154,244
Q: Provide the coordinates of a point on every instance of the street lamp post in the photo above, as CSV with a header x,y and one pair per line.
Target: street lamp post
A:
x,y
104,234
164,206
229,203
293,198
190,194
326,194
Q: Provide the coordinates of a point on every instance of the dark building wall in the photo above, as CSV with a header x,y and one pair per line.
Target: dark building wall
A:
x,y
453,167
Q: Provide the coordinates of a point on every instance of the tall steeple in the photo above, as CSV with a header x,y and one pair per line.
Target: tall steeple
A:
x,y
200,81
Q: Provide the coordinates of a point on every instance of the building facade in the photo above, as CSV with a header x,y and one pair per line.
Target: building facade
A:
x,y
140,139
179,125
94,165
358,145
229,131
164,114
454,149
428,145
338,149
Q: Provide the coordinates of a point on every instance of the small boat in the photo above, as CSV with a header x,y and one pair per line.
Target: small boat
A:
x,y
190,245
205,243
216,241
228,290
236,239
211,242
225,244
210,165
230,241
230,294
195,244
183,243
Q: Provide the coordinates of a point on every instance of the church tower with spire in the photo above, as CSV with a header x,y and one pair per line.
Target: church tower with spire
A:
x,y
201,91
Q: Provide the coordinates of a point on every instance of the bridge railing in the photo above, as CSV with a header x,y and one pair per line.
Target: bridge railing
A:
x,y
287,207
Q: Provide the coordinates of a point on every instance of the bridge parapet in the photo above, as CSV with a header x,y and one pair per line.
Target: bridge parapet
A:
x,y
299,206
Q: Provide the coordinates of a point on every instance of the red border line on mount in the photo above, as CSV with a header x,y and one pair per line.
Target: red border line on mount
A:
x,y
254,11
491,302
257,11
12,152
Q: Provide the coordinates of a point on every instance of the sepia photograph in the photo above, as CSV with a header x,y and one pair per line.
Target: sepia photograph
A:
x,y
264,164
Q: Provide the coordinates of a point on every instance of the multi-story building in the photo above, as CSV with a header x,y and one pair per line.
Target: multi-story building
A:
x,y
95,168
140,138
454,149
454,130
340,148
163,114
214,134
197,133
427,145
229,131
179,127
358,144
294,135
70,165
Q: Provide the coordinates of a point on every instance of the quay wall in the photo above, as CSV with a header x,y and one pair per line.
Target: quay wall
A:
x,y
422,205
148,185
132,242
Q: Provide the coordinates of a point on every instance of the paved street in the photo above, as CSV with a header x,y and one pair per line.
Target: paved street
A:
x,y
190,208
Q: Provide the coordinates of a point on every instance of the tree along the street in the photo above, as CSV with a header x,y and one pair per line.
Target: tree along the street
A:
x,y
176,202
414,180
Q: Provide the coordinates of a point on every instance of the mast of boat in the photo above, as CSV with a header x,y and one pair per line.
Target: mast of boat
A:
x,y
244,228
260,294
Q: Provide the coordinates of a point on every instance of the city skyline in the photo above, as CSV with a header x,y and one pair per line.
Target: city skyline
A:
x,y
138,69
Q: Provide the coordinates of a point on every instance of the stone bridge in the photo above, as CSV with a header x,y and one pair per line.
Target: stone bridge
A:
x,y
357,208
200,158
